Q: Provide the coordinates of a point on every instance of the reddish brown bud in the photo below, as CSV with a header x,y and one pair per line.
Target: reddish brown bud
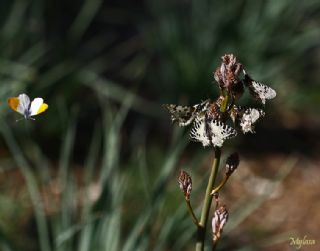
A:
x,y
214,111
219,220
235,113
185,183
232,163
227,75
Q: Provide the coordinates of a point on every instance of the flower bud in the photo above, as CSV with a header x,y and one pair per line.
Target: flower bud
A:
x,y
234,113
214,111
232,163
219,220
227,75
185,183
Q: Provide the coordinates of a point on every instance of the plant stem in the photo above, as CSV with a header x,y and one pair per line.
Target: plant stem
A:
x,y
217,189
193,216
201,231
214,245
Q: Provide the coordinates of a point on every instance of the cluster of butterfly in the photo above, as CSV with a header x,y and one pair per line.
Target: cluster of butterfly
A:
x,y
22,105
207,125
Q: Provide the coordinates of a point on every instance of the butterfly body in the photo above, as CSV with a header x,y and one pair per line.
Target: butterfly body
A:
x,y
22,105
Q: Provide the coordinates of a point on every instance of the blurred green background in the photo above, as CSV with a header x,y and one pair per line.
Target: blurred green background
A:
x,y
97,171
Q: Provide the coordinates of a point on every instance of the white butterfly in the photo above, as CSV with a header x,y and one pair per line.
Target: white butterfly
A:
x,y
199,131
249,118
259,90
184,115
211,132
22,105
262,91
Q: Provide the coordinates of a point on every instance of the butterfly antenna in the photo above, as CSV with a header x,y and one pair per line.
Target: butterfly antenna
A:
x,y
17,120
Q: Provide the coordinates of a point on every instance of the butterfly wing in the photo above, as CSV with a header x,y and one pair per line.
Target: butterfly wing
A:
x,y
218,132
184,115
19,104
199,131
259,90
37,106
262,91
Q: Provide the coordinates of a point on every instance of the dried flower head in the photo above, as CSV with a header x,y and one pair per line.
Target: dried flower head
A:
x,y
232,163
214,111
219,220
227,76
185,183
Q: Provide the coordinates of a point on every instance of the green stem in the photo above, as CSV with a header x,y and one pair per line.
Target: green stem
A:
x,y
201,231
193,216
217,189
224,104
214,245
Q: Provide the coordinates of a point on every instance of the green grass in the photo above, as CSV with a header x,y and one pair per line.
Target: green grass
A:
x,y
104,69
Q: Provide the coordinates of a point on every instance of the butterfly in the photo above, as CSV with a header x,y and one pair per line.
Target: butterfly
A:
x,y
22,105
249,118
259,90
184,115
211,132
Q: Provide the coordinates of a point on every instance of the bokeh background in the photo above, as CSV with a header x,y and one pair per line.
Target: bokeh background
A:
x,y
98,170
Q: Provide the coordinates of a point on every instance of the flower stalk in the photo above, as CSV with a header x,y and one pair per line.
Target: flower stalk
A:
x,y
223,182
231,165
185,184
201,231
193,216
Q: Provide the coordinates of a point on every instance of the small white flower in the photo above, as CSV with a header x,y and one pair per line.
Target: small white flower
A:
x,y
249,118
